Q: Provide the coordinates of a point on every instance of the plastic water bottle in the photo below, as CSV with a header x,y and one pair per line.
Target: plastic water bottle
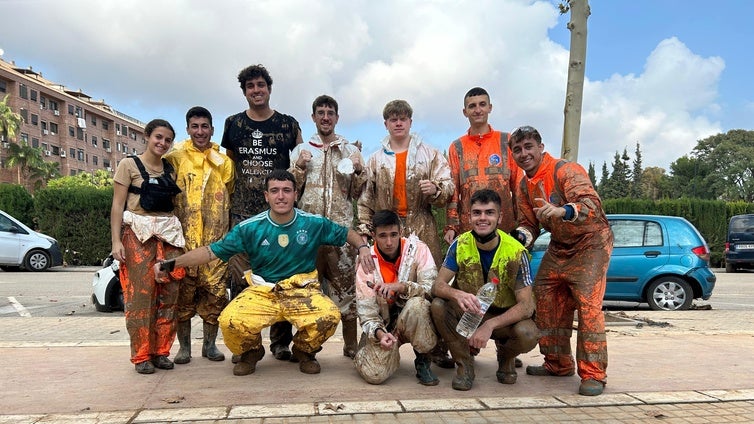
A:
x,y
486,295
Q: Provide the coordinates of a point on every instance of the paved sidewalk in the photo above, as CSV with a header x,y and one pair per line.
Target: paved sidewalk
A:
x,y
674,367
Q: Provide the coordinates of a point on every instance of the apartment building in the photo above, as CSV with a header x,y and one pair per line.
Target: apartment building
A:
x,y
80,133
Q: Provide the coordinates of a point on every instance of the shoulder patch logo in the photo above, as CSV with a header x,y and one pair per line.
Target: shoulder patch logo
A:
x,y
495,159
283,240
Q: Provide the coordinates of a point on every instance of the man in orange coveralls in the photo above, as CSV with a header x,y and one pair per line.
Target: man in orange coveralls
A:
x,y
478,160
559,195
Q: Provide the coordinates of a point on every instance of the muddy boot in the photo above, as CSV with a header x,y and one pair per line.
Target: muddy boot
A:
x,y
349,338
464,362
506,365
183,331
247,363
209,350
423,373
307,362
440,356
281,334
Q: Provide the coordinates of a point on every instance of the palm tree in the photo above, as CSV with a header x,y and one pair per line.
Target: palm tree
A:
x,y
10,121
44,173
25,157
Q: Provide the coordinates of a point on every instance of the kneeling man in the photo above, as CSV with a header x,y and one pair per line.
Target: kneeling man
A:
x,y
470,259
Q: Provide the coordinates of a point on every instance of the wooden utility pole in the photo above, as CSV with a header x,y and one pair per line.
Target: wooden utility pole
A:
x,y
575,87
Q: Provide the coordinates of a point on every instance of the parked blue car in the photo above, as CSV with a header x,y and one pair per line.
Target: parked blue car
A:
x,y
659,260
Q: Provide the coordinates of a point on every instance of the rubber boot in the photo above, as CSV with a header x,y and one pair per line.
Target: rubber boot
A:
x,y
307,362
281,335
183,332
349,338
209,350
247,362
464,378
506,365
423,372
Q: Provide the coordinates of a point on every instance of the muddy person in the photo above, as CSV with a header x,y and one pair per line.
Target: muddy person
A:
x,y
258,140
330,175
558,196
205,176
393,303
282,245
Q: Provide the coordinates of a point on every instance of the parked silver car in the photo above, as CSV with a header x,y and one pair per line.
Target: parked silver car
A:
x,y
23,248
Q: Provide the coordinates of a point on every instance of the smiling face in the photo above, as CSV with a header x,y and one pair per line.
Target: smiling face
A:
x,y
325,118
528,153
160,140
200,130
477,109
399,127
257,93
485,217
281,196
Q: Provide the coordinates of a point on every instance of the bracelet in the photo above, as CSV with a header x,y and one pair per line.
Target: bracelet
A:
x,y
363,245
167,266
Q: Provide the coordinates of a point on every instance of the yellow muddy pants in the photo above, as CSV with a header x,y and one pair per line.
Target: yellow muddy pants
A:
x,y
297,300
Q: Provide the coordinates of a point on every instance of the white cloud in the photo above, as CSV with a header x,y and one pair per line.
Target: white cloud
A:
x,y
150,58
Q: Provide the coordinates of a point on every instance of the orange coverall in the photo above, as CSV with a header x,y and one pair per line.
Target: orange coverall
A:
x,y
572,274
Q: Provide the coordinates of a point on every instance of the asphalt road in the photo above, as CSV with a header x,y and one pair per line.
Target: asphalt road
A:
x,y
67,291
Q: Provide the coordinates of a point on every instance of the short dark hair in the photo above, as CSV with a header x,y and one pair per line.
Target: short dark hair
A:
x,y
156,123
476,91
524,132
279,175
384,218
254,71
325,100
198,112
486,195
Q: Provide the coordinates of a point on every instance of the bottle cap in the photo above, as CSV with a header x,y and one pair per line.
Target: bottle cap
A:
x,y
495,280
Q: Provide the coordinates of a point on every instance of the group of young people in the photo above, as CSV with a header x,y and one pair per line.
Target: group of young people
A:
x,y
272,219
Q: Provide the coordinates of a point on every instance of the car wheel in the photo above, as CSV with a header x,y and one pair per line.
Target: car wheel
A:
x,y
730,268
114,298
98,306
37,260
669,294
10,268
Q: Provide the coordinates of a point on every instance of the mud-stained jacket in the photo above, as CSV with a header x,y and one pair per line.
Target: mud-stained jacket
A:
x,y
423,162
206,182
324,189
563,183
374,311
477,162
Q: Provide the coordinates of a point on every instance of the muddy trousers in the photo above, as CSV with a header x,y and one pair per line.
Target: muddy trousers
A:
x,y
203,292
511,341
150,306
313,314
413,325
565,285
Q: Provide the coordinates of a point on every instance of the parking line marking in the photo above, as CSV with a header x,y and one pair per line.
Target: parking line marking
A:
x,y
19,307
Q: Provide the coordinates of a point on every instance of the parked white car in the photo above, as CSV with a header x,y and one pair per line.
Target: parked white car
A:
x,y
107,294
23,248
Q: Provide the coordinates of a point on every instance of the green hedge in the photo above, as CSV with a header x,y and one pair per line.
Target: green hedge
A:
x,y
18,203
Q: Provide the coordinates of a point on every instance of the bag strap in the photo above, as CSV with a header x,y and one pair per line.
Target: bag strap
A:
x,y
143,171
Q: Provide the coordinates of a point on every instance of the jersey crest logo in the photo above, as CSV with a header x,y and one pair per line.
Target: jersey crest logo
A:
x,y
495,159
265,242
283,240
302,237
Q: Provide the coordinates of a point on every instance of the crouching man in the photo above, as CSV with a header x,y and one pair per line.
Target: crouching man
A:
x,y
282,245
508,321
392,303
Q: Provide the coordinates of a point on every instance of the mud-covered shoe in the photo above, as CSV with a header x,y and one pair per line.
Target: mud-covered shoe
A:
x,y
162,362
281,352
423,372
145,367
506,371
519,363
541,370
440,357
591,387
247,362
307,362
464,378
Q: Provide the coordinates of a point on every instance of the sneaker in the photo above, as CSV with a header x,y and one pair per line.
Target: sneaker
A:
x,y
591,387
145,367
162,362
281,353
541,370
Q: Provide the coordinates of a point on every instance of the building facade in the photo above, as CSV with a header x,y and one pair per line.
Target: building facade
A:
x,y
71,128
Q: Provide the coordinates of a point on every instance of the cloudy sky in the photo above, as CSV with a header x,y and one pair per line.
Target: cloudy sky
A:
x,y
661,73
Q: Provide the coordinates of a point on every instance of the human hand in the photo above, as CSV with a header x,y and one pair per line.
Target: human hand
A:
x,y
427,187
118,252
387,341
468,302
303,159
449,236
480,337
547,210
356,159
